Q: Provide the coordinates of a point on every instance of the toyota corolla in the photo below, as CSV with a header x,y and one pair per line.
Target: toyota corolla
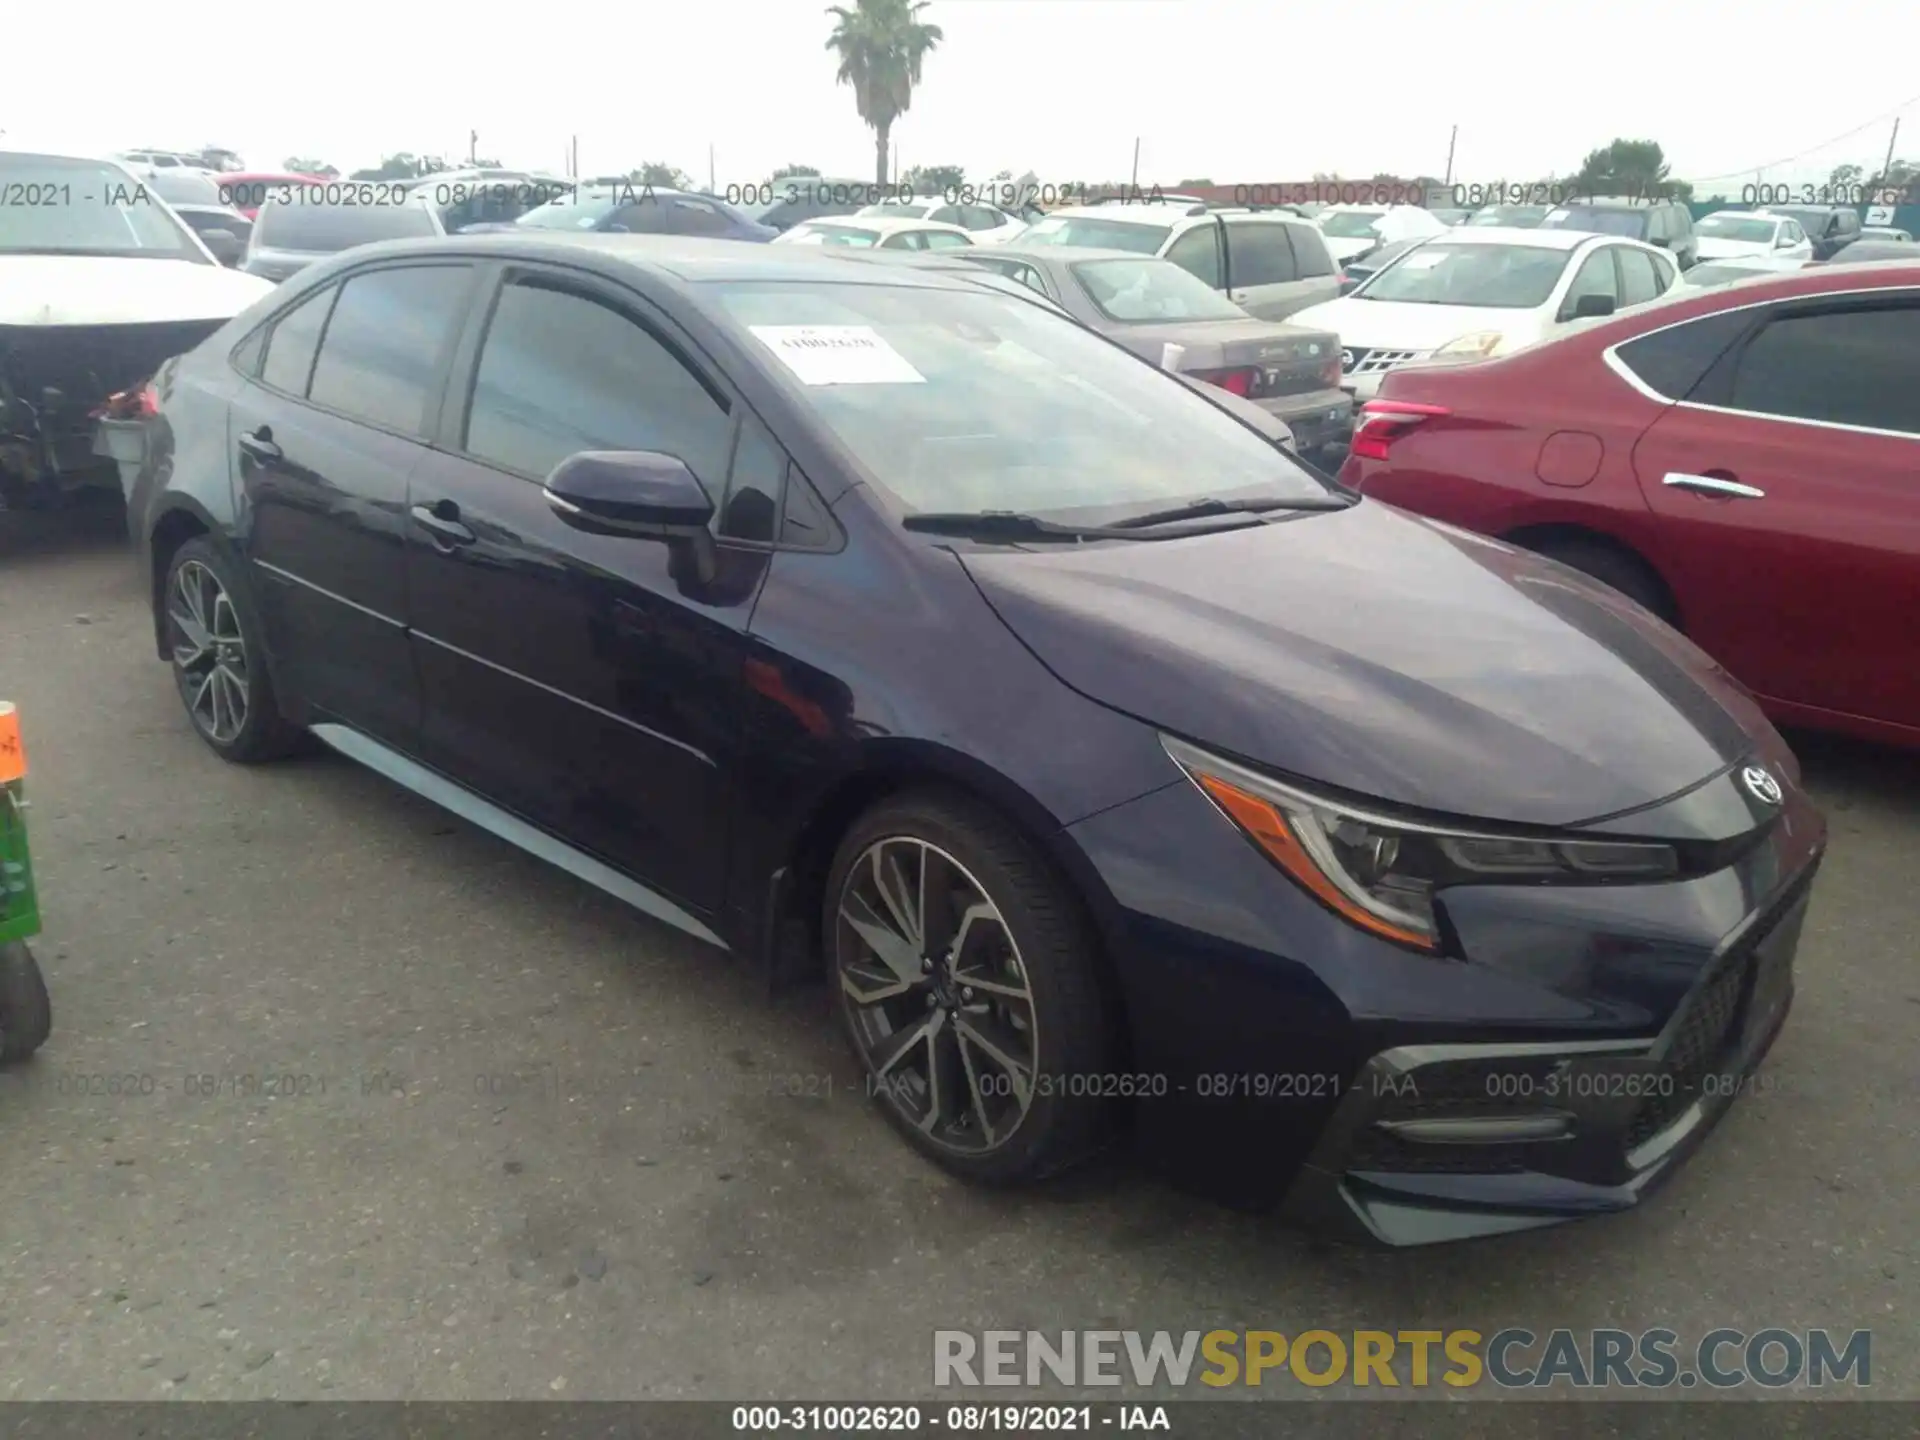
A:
x,y
1122,776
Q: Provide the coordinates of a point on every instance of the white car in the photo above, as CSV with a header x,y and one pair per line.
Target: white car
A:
x,y
1475,292
100,282
874,232
1353,230
1735,268
987,224
1727,233
1885,232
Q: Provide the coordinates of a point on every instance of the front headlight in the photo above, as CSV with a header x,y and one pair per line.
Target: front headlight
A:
x,y
1477,346
1381,872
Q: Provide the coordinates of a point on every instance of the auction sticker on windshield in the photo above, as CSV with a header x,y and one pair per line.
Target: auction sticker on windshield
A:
x,y
837,355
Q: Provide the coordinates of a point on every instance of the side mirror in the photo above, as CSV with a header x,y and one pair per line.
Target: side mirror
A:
x,y
224,244
1592,307
640,494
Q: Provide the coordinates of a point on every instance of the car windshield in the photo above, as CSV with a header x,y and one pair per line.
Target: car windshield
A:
x,y
1524,216
299,224
1598,219
899,209
971,400
815,232
1736,227
1136,292
55,206
1097,233
575,212
1499,277
184,187
1352,224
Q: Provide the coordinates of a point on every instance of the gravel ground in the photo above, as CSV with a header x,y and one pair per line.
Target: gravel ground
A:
x,y
539,1146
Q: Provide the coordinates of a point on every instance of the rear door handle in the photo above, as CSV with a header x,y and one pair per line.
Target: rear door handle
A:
x,y
442,519
259,444
1713,485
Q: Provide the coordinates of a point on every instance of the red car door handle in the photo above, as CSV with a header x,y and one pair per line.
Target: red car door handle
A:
x,y
1718,486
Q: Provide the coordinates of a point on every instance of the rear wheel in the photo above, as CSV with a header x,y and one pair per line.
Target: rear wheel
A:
x,y
1617,570
214,639
26,1013
968,985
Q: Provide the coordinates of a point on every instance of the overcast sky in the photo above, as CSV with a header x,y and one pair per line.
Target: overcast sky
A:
x,y
1229,90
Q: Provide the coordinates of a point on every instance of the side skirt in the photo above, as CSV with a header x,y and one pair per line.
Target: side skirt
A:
x,y
515,831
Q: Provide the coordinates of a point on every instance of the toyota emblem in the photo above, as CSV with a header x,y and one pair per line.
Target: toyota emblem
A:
x,y
1762,786
1346,359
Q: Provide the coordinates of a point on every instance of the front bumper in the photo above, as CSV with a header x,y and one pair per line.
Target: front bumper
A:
x,y
1318,418
1288,1061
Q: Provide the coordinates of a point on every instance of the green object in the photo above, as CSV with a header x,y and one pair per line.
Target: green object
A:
x,y
19,910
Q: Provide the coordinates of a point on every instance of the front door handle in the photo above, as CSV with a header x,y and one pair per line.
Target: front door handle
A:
x,y
259,444
1714,485
442,520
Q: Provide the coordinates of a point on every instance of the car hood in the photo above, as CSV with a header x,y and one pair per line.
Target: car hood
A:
x,y
1712,248
112,290
1403,325
1387,655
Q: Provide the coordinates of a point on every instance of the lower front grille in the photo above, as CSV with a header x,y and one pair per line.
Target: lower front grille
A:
x,y
1371,362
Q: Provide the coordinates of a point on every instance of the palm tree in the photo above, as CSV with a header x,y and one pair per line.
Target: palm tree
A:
x,y
881,44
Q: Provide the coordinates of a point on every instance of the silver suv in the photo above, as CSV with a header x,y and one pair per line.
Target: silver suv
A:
x,y
1267,263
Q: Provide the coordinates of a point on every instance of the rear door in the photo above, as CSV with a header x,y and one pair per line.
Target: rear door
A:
x,y
581,681
1264,274
324,435
1788,490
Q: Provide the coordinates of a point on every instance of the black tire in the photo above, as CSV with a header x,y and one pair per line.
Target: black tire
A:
x,y
1617,570
1071,1021
26,1012
264,733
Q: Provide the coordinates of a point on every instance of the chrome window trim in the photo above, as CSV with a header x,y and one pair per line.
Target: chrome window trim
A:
x,y
1611,358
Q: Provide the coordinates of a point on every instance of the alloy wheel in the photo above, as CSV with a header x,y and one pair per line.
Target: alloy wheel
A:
x,y
941,1006
209,652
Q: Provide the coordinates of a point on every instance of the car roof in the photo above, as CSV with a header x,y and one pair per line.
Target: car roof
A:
x,y
1553,239
1067,254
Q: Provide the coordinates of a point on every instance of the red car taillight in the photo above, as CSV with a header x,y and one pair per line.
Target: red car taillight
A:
x,y
1330,371
1235,382
1384,421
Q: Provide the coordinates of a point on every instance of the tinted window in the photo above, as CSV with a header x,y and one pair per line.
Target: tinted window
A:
x,y
644,217
560,372
1847,367
1671,362
1198,253
292,341
380,359
296,225
752,508
1639,282
979,217
1310,252
946,215
1259,254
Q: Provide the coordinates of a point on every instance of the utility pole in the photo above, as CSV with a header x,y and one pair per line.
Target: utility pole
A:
x,y
1450,144
712,188
1134,183
1887,168
473,147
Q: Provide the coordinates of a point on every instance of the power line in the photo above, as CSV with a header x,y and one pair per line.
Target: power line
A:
x,y
1812,149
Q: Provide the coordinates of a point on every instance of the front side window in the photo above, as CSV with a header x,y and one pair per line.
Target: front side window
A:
x,y
1596,276
1198,253
294,340
562,372
55,206
380,358
1135,292
1502,277
1259,253
971,399
1854,366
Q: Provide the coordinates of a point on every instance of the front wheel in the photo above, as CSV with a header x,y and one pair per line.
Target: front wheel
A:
x,y
26,1011
968,984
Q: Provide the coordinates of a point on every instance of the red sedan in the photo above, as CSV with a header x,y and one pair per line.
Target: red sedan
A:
x,y
1743,461
247,190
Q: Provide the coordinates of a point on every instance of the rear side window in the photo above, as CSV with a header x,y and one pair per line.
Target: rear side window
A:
x,y
1854,366
1672,362
380,359
562,372
1310,252
292,342
296,225
1260,254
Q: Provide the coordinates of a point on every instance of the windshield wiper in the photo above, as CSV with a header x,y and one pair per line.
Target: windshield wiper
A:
x,y
1209,505
1009,525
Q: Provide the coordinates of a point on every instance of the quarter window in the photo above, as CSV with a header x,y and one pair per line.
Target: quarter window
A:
x,y
1639,280
1671,362
385,342
752,508
1855,366
561,372
292,341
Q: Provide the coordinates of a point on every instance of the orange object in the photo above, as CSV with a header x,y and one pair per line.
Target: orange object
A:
x,y
13,750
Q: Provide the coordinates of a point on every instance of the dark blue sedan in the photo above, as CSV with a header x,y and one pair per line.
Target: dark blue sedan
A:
x,y
1120,775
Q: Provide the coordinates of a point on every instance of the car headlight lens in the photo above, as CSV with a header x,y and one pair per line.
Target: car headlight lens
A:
x,y
1477,346
1380,872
